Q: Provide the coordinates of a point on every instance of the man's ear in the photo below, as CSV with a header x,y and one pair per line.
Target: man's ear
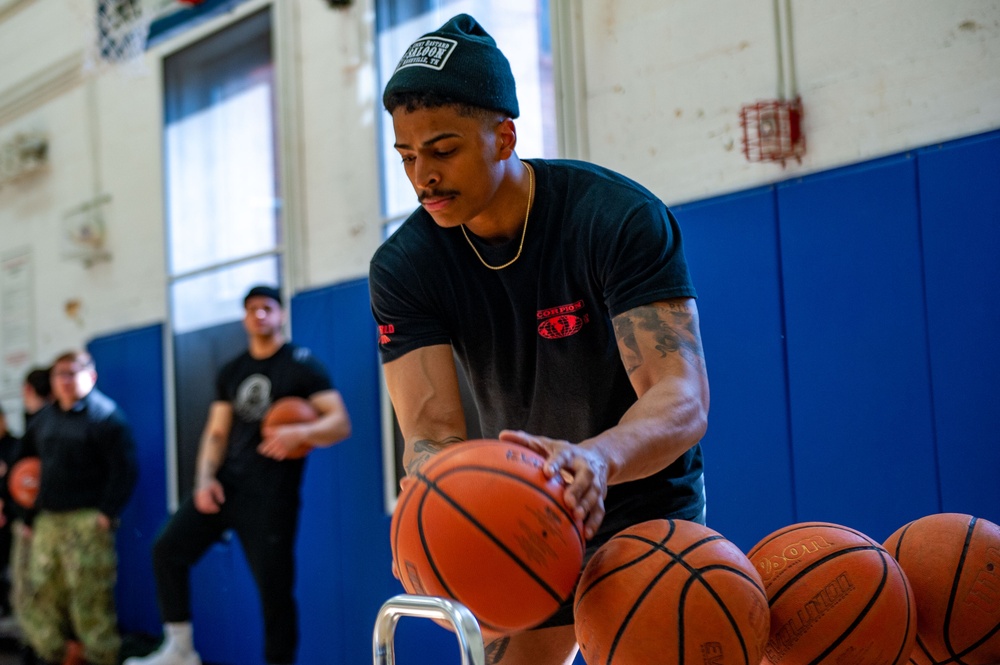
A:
x,y
506,137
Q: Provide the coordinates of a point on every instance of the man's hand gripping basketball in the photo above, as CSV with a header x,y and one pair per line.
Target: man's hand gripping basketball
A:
x,y
585,470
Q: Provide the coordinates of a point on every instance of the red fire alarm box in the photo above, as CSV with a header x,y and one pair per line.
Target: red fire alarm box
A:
x,y
772,130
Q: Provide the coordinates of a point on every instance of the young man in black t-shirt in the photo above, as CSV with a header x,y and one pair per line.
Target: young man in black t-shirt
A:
x,y
562,289
247,483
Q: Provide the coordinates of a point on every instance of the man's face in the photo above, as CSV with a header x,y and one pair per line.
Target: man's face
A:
x,y
72,381
452,161
263,316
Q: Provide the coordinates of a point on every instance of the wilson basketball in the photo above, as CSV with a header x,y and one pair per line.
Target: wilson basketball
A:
x,y
481,524
953,563
836,596
291,411
24,480
670,592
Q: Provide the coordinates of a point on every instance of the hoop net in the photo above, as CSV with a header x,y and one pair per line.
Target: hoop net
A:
x,y
117,32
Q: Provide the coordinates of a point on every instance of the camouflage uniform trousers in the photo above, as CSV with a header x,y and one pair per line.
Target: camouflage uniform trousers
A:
x,y
20,557
72,573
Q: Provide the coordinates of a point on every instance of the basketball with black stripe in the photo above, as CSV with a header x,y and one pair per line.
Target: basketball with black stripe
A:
x,y
670,592
481,524
953,563
836,596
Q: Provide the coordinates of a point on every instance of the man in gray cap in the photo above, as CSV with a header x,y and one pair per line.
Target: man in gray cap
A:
x,y
562,289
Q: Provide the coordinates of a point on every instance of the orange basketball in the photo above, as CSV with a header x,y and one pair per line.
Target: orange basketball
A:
x,y
290,411
836,596
24,481
481,524
670,592
953,564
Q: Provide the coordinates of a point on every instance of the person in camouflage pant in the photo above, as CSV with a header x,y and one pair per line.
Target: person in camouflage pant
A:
x,y
72,570
89,471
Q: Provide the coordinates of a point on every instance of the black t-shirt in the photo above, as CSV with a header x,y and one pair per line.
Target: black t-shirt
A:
x,y
251,385
535,339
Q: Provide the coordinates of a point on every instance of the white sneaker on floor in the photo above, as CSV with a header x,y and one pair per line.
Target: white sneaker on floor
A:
x,y
166,655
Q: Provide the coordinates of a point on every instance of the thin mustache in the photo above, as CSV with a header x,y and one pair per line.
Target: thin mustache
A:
x,y
436,194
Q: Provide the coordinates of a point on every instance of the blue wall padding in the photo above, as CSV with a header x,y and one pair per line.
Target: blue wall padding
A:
x,y
732,248
859,383
344,559
130,371
960,211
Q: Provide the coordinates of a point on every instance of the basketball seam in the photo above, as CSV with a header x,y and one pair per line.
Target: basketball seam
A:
x,y
954,588
648,553
431,485
718,599
863,613
562,509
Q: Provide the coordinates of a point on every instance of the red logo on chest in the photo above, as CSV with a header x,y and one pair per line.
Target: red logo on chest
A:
x,y
561,321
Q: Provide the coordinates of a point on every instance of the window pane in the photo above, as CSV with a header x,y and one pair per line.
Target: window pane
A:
x,y
211,298
520,28
220,155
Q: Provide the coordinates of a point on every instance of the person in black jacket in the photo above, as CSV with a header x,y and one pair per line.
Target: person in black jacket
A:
x,y
89,471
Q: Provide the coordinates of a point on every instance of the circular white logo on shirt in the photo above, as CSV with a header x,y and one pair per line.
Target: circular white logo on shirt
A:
x,y
253,397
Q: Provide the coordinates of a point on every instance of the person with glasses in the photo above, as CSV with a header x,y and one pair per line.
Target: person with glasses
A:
x,y
89,471
562,289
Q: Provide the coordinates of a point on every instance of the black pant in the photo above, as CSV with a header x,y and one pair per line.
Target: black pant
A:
x,y
266,526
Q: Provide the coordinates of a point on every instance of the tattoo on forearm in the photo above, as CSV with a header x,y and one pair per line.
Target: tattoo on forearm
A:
x,y
625,332
424,449
673,329
496,649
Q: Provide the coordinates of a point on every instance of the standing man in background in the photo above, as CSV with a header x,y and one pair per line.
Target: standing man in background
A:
x,y
89,471
563,290
248,482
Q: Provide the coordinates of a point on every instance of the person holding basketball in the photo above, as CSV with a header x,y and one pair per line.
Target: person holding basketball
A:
x,y
562,289
248,482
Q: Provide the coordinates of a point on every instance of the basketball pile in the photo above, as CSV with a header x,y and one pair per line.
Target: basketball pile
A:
x,y
483,526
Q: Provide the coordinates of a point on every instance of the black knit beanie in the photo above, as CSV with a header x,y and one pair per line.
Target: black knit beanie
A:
x,y
460,62
263,290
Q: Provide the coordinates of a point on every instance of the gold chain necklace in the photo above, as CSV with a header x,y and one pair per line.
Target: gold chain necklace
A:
x,y
524,232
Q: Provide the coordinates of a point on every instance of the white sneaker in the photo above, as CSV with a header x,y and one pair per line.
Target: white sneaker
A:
x,y
166,655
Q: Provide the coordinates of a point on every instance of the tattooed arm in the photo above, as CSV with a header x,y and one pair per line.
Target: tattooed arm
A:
x,y
660,346
423,387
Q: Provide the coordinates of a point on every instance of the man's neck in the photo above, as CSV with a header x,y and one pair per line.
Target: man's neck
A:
x,y
265,347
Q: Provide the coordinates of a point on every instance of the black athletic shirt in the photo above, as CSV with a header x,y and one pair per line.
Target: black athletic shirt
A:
x,y
251,385
535,339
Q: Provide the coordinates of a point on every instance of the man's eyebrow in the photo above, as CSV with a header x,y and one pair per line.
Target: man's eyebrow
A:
x,y
430,141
